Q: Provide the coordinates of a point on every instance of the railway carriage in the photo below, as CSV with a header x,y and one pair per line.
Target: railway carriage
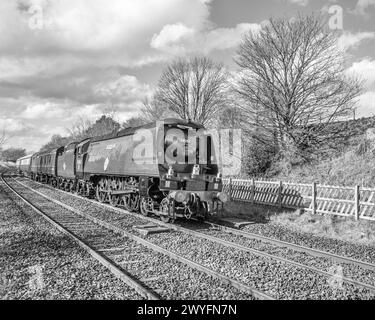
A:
x,y
24,165
34,166
44,166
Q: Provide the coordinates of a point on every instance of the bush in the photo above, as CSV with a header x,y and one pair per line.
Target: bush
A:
x,y
257,158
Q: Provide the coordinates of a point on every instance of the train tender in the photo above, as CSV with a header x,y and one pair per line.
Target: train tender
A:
x,y
166,168
66,168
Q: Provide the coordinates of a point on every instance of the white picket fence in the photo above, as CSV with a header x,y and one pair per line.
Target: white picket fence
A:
x,y
357,202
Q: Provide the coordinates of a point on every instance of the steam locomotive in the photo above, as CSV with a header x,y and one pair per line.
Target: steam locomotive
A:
x,y
166,168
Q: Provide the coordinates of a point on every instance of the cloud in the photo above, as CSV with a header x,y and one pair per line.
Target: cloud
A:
x,y
302,3
42,111
62,58
171,34
226,38
125,89
12,126
366,104
362,6
94,29
365,69
179,39
350,40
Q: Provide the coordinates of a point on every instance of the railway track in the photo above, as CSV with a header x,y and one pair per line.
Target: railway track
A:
x,y
92,234
216,238
249,235
69,219
293,246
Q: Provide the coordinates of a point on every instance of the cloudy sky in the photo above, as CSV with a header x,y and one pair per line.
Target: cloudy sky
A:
x,y
63,58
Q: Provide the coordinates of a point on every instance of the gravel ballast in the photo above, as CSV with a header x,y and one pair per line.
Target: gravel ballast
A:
x,y
166,276
340,247
39,262
275,278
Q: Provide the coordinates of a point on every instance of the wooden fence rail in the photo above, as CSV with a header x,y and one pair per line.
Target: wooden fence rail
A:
x,y
357,202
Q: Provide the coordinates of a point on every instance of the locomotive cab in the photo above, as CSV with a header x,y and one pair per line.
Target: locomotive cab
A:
x,y
190,174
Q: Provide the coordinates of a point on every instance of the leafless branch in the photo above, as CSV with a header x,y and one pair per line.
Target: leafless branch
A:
x,y
193,89
79,129
293,84
4,137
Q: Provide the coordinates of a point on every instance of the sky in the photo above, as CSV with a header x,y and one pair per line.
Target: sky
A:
x,y
60,59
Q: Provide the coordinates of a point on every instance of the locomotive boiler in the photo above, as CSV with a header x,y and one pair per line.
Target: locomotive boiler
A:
x,y
166,168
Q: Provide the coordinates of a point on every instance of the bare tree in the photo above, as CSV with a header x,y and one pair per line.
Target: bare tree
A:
x,y
103,126
194,89
292,84
110,111
4,137
153,110
12,154
56,141
79,129
135,121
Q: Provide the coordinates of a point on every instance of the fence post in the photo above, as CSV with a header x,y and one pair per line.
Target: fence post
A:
x,y
357,204
252,191
279,196
314,197
230,189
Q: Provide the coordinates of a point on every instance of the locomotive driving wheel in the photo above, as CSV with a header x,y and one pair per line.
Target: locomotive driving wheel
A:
x,y
166,207
146,205
100,195
114,200
134,202
72,187
81,189
126,201
203,211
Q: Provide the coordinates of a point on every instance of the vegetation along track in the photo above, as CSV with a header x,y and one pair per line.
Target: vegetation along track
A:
x,y
276,270
151,270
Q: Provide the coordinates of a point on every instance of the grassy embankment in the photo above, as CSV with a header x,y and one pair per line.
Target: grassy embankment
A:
x,y
354,164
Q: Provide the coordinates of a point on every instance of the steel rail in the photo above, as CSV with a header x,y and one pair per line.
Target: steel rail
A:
x,y
312,251
121,274
231,244
234,283
250,235
226,243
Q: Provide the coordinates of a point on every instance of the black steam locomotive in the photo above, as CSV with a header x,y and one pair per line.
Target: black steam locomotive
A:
x,y
166,168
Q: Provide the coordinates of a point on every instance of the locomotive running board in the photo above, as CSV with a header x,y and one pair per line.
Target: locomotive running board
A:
x,y
118,192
